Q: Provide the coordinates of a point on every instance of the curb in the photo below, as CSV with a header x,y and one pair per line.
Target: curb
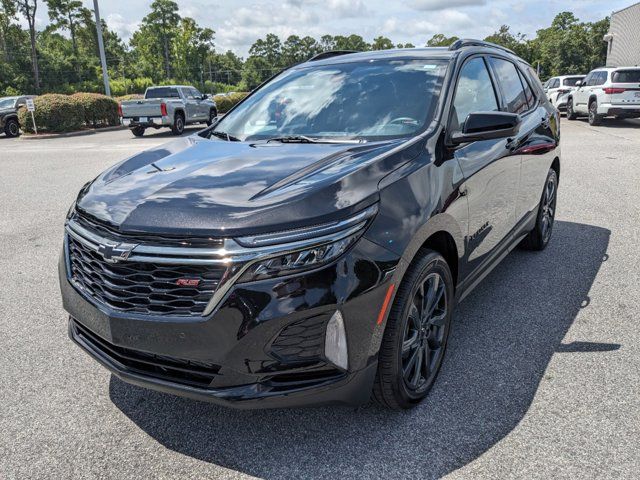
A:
x,y
93,131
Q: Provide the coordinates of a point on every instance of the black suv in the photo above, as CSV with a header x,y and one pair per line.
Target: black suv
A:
x,y
311,246
9,114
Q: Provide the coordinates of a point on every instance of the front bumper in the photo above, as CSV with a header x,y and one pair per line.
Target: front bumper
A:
x,y
240,345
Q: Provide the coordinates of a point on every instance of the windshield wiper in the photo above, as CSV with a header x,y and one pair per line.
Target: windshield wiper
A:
x,y
305,139
224,136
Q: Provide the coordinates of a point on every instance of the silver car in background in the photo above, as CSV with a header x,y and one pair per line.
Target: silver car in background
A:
x,y
173,106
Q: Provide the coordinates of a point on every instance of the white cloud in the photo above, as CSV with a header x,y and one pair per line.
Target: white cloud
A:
x,y
430,5
121,26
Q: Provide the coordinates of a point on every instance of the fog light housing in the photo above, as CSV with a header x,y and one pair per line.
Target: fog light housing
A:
x,y
335,342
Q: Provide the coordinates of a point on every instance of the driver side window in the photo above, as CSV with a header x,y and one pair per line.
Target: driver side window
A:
x,y
474,93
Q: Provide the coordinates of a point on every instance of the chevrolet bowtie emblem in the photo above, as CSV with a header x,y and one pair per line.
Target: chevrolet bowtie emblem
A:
x,y
116,253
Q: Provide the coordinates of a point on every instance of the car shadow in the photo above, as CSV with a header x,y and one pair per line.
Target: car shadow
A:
x,y
503,338
616,122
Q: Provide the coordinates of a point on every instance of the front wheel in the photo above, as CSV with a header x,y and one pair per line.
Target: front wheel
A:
x,y
539,237
416,333
12,128
571,114
212,117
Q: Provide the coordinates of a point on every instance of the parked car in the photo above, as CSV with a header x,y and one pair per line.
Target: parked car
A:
x,y
317,256
172,106
9,114
559,88
606,92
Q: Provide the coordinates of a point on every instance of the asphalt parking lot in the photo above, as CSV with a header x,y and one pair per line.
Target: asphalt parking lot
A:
x,y
542,376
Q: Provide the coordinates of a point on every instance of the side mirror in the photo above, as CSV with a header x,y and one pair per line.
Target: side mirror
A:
x,y
578,83
204,96
487,126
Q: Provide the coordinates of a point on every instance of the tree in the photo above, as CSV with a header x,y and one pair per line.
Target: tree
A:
x,y
190,48
440,40
28,10
67,14
381,43
269,49
406,45
161,24
352,42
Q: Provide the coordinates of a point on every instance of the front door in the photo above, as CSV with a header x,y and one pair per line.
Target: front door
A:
x,y
491,172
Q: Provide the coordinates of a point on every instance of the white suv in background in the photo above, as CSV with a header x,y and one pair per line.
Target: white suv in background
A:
x,y
606,92
559,88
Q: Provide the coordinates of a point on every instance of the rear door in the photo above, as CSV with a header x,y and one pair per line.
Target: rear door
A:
x,y
581,95
625,87
519,98
491,172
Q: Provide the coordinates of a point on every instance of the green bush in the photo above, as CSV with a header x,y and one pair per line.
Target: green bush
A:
x,y
54,113
226,102
219,87
99,110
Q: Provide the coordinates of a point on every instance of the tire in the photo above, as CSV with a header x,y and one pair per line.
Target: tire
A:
x,y
12,128
571,114
212,117
178,124
418,334
539,237
138,131
594,118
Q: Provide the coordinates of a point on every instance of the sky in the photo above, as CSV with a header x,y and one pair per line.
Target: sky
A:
x,y
239,23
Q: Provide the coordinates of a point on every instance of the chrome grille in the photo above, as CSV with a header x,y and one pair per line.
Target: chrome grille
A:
x,y
149,288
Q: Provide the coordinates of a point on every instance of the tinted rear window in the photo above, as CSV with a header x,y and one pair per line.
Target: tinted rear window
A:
x,y
571,82
626,76
162,92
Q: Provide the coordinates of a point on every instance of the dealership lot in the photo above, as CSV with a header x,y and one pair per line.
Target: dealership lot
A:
x,y
544,381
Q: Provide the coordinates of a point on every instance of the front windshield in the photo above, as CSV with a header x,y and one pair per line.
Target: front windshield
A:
x,y
368,100
7,102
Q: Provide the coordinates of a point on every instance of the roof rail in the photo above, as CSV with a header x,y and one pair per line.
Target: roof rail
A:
x,y
470,42
329,54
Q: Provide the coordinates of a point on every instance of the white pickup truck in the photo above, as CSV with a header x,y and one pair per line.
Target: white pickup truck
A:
x,y
172,106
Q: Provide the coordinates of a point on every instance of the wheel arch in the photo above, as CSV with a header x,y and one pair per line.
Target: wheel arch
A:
x,y
179,111
441,234
592,98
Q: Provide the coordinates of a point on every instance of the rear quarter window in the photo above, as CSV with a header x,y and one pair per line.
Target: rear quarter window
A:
x,y
511,85
626,76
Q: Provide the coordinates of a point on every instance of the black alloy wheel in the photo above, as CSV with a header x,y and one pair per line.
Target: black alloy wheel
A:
x,y
416,333
12,128
212,117
539,237
422,341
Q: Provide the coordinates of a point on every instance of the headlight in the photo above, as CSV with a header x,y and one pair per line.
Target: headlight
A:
x,y
302,249
298,261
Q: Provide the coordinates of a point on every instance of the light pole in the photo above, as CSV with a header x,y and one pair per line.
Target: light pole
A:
x,y
103,60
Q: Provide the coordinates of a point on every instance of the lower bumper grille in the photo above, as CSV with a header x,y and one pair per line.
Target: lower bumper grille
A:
x,y
186,372
142,287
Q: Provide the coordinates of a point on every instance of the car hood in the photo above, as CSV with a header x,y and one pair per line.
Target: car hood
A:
x,y
198,186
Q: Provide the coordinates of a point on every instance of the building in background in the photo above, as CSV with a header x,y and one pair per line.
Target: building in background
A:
x,y
624,37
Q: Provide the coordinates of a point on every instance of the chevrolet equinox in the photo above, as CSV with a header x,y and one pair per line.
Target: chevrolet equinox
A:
x,y
310,246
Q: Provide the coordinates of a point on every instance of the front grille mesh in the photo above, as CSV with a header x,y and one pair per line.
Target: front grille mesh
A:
x,y
142,287
301,341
